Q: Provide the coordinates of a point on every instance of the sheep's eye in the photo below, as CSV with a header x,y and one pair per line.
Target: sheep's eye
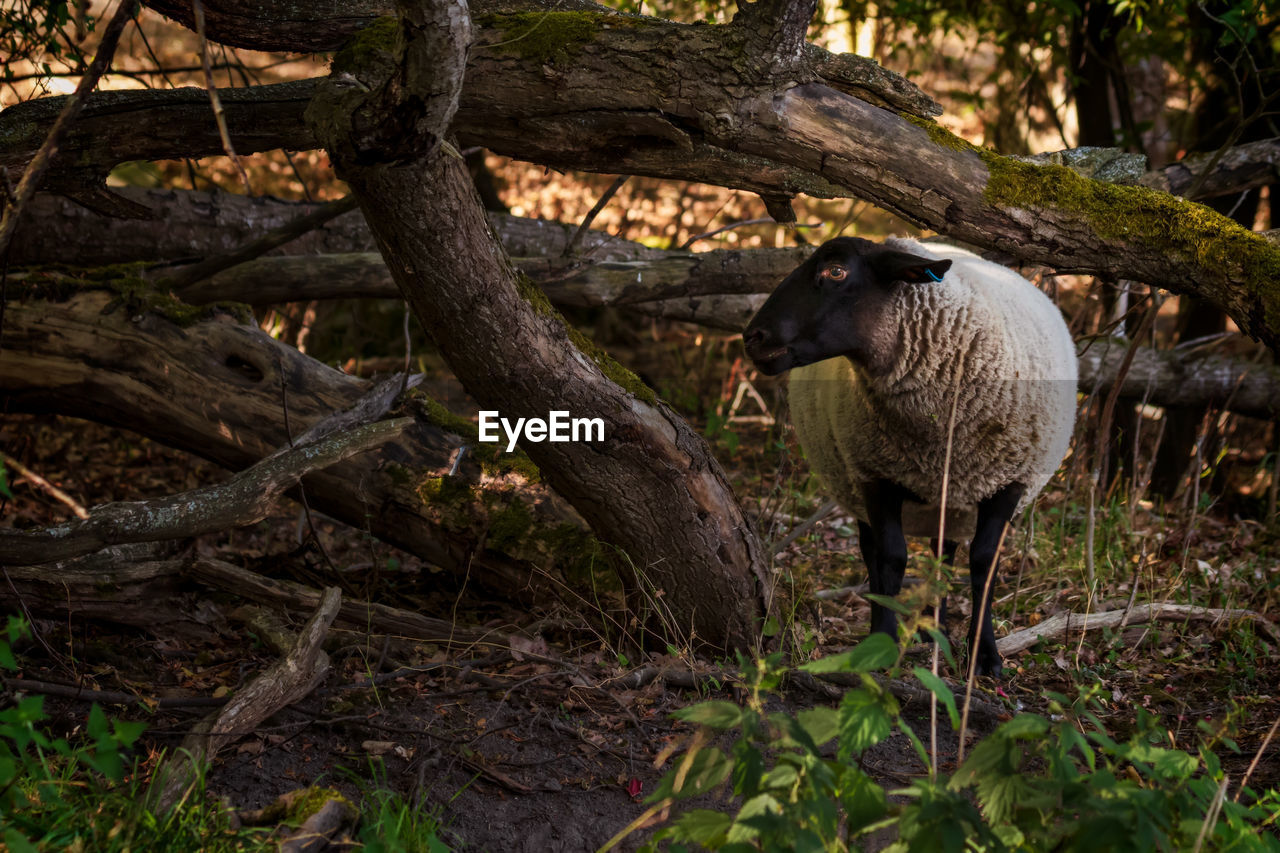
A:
x,y
835,272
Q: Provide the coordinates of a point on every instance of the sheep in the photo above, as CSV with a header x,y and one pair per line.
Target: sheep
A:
x,y
881,339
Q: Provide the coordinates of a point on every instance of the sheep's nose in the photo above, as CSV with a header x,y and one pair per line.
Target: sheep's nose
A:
x,y
753,337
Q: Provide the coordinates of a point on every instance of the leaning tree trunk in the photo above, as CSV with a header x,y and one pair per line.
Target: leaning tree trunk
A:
x,y
651,487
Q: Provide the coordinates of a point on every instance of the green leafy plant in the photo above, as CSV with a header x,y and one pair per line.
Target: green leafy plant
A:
x,y
1035,783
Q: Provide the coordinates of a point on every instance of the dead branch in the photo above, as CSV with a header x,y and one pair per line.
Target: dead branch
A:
x,y
246,498
1063,624
353,614
110,697
285,682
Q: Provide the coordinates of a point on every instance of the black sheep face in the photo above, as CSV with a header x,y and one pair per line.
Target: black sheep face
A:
x,y
833,305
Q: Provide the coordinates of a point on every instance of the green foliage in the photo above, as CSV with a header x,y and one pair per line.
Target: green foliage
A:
x,y
30,29
1032,784
392,824
56,794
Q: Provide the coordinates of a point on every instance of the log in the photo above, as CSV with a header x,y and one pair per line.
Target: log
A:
x,y
1182,378
187,225
206,381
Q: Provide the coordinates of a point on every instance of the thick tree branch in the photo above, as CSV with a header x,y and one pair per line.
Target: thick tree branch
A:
x,y
246,498
67,115
1253,164
286,681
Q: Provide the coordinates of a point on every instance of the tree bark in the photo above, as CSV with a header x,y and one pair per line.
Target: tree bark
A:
x,y
613,93
200,381
651,487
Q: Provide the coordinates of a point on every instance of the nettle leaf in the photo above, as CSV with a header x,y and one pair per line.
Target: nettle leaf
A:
x,y
939,688
702,826
1169,764
717,714
748,769
875,652
822,724
782,776
1025,727
863,722
864,801
754,817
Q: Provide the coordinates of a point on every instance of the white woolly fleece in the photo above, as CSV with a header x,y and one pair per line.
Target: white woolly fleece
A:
x,y
984,331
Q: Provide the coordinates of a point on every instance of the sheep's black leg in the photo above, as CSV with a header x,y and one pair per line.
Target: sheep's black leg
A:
x,y
883,500
993,514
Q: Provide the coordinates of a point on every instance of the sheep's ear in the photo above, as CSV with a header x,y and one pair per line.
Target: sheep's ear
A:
x,y
903,266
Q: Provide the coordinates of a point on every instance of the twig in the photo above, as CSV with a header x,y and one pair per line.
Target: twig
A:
x,y
286,681
182,281
1257,755
574,241
768,220
53,490
39,164
214,101
804,527
942,545
111,697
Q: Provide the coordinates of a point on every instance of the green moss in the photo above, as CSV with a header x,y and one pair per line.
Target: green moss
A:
x,y
1154,219
492,456
445,492
547,37
135,293
296,806
940,136
1134,214
375,43
615,372
509,526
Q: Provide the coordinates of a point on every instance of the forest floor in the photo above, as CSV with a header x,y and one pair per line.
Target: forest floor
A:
x,y
546,744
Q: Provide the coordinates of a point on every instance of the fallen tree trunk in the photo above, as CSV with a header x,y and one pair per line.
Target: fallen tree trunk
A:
x,y
723,290
186,225
161,595
204,381
606,92
1177,378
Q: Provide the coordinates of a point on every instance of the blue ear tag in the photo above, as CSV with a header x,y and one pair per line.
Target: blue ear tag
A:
x,y
933,275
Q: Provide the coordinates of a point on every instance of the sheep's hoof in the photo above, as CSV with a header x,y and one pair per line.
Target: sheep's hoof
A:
x,y
990,665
